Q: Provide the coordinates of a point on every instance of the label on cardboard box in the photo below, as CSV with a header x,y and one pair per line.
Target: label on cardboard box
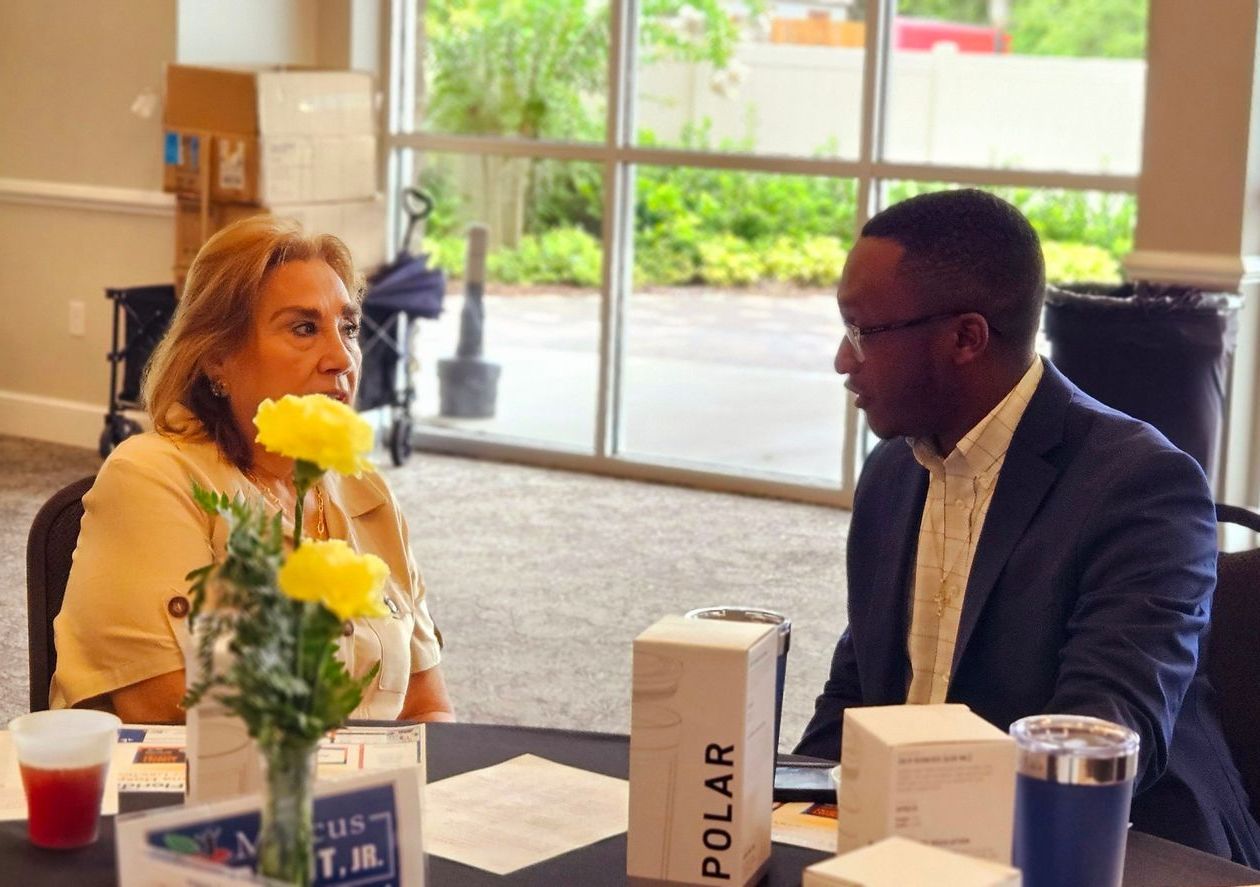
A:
x,y
231,164
936,773
170,148
896,862
701,756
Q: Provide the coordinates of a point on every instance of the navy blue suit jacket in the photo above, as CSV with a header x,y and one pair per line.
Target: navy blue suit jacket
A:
x,y
1089,592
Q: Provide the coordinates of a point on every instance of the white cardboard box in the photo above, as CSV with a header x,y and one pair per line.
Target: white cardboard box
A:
x,y
701,755
269,136
935,773
900,862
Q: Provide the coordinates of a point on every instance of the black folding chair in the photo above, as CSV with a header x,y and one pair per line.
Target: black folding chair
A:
x,y
49,549
1233,650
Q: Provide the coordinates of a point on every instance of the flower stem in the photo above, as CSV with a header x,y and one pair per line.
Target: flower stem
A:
x,y
300,486
287,837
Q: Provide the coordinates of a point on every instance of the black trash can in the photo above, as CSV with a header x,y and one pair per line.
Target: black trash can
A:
x,y
1159,353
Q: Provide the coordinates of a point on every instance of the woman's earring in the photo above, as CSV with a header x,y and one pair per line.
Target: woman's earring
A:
x,y
218,388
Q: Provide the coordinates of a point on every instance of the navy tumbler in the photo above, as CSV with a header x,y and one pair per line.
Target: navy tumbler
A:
x,y
1073,785
770,617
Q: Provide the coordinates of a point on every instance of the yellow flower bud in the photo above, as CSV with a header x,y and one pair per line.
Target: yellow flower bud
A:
x,y
316,429
332,573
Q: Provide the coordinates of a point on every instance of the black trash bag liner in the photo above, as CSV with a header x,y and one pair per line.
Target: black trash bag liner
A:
x,y
1155,351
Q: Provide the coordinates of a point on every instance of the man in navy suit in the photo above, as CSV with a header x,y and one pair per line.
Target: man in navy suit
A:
x,y
1015,545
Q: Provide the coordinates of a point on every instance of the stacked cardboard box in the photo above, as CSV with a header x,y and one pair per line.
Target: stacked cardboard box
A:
x,y
297,143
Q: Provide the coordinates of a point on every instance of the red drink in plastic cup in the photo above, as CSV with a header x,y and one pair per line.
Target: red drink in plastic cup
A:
x,y
64,757
63,806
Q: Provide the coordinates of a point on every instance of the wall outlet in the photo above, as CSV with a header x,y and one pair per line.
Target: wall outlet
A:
x,y
78,318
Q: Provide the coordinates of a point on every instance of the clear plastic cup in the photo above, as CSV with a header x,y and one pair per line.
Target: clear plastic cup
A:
x,y
64,758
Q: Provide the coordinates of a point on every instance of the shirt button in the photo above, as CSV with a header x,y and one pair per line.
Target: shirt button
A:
x,y
347,628
178,606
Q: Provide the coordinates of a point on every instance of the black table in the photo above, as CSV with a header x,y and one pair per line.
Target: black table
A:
x,y
456,748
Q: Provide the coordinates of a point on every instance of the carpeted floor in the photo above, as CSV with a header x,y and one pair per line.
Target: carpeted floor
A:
x,y
539,579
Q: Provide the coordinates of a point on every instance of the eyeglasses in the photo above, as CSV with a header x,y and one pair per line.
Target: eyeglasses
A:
x,y
855,334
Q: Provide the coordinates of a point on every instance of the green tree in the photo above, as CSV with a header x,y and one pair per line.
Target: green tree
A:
x,y
538,69
1079,28
515,67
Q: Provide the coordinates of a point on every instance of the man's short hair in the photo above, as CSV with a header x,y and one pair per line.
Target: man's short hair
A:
x,y
969,250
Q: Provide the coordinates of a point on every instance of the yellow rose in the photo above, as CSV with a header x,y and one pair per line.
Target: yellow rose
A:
x,y
332,573
316,429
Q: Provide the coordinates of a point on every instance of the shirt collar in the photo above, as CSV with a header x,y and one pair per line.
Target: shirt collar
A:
x,y
984,445
357,496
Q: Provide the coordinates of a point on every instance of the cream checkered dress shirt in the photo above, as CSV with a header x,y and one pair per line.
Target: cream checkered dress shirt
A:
x,y
959,492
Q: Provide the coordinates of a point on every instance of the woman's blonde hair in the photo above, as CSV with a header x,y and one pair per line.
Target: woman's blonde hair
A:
x,y
214,317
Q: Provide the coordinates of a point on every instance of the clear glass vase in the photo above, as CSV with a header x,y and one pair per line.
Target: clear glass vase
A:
x,y
286,841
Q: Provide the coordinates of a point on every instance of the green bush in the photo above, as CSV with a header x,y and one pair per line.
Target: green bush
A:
x,y
448,253
1089,217
1078,262
561,255
731,228
811,261
727,260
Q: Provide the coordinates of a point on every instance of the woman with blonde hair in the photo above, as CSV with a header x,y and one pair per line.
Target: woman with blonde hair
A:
x,y
267,310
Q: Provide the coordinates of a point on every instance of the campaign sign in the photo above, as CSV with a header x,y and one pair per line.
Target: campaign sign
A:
x,y
367,834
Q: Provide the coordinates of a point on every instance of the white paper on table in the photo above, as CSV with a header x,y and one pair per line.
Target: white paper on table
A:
x,y
13,796
805,825
521,812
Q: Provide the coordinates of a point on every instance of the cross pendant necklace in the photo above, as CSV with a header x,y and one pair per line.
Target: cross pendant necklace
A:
x,y
943,598
945,592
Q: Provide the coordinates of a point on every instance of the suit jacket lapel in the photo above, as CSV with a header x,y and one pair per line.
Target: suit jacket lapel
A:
x,y
1023,482
889,672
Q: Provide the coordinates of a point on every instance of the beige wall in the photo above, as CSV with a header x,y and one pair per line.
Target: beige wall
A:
x,y
1198,124
250,32
1198,213
56,255
70,73
80,174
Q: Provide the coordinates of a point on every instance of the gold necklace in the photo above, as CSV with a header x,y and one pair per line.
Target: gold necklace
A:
x,y
321,524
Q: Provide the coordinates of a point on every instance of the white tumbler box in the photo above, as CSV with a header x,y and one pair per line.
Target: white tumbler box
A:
x,y
936,773
901,862
701,752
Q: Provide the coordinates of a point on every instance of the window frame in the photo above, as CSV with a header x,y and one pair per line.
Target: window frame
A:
x,y
618,157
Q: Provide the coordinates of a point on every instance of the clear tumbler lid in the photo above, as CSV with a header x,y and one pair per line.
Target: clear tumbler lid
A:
x,y
748,614
1075,750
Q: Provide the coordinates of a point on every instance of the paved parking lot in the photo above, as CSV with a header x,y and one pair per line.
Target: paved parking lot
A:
x,y
736,380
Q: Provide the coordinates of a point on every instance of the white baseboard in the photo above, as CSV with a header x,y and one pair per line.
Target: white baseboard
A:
x,y
51,419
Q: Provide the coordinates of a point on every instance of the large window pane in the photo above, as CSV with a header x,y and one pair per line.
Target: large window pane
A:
x,y
542,299
1018,84
732,325
535,69
750,77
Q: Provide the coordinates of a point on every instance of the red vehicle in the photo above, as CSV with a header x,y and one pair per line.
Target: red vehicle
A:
x,y
924,33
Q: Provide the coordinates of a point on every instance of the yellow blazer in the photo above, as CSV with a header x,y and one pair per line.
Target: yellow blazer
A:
x,y
125,616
